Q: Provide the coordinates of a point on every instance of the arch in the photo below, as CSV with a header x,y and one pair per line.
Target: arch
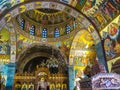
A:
x,y
25,6
21,65
74,45
7,15
98,47
43,47
41,50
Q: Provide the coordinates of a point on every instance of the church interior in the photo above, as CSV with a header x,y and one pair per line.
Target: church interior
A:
x,y
59,44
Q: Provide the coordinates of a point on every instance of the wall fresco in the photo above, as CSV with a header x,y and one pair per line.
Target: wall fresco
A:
x,y
22,42
90,5
111,38
101,13
4,42
65,46
82,48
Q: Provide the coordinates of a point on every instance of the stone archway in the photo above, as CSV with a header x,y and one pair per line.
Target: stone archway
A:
x,y
78,52
38,50
22,7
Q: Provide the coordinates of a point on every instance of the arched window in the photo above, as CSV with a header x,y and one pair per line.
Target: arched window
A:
x,y
75,24
32,30
44,33
56,33
68,28
22,24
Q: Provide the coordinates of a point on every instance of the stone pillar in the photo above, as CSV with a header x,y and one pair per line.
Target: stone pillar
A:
x,y
12,65
10,76
101,55
71,77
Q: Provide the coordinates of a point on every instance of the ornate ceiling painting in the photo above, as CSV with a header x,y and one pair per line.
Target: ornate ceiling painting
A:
x,y
101,12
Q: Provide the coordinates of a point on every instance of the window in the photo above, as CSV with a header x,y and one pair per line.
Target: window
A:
x,y
75,24
56,33
32,30
68,29
22,24
44,33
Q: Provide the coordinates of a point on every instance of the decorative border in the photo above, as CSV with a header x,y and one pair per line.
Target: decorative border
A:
x,y
13,39
106,81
